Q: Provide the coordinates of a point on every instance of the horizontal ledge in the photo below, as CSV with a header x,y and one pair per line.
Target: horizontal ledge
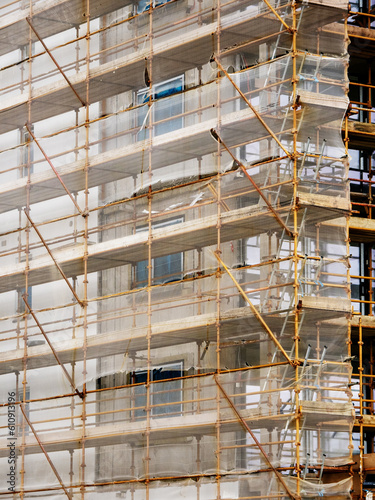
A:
x,y
61,15
189,235
180,427
127,72
179,145
235,324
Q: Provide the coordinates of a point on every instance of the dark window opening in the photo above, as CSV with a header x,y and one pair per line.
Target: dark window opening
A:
x,y
166,114
362,264
165,396
165,269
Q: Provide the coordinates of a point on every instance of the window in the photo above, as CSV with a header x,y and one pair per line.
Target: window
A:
x,y
361,188
164,269
165,396
164,110
26,152
144,5
115,462
21,422
362,265
21,306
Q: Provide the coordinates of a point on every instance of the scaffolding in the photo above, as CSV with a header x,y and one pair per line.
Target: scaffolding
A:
x,y
174,253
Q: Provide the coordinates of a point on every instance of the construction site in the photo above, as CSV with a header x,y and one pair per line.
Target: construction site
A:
x,y
186,249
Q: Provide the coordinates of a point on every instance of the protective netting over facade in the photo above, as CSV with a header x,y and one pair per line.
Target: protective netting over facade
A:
x,y
173,256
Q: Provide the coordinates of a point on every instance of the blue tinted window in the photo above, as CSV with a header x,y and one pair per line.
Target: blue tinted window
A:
x,y
166,113
165,396
165,268
144,5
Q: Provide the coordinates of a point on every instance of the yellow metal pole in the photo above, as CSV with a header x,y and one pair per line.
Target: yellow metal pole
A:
x,y
255,312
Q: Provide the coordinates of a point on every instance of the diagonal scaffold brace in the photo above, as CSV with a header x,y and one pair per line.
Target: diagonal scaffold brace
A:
x,y
255,312
54,170
54,260
274,11
261,449
55,62
289,155
45,452
217,138
69,378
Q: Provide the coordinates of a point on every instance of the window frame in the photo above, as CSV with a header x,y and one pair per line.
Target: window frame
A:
x,y
158,279
139,410
152,93
360,255
20,304
147,3
21,421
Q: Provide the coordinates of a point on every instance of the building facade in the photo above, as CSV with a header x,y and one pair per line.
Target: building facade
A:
x,y
176,248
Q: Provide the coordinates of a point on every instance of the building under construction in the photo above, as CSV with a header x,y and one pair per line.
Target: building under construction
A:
x,y
175,257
